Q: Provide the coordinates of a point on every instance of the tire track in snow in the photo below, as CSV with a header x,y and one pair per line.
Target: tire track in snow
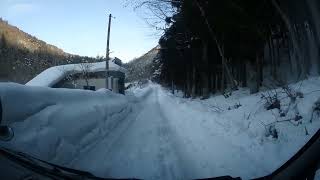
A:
x,y
108,142
168,157
184,164
143,145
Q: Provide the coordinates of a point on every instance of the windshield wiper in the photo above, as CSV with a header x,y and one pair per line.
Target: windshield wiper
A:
x,y
44,168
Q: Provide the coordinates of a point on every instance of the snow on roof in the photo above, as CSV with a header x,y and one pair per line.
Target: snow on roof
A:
x,y
53,75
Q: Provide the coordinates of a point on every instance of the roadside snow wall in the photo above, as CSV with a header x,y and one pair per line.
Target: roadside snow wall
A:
x,y
57,124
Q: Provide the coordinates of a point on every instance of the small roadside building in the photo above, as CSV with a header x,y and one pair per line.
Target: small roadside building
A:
x,y
91,76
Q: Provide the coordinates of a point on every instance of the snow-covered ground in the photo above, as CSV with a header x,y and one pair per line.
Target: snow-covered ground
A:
x,y
52,75
152,134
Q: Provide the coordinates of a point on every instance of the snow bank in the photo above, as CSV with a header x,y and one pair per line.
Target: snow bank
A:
x,y
223,140
58,124
52,75
317,175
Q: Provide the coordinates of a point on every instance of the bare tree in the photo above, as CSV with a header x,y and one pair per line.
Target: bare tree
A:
x,y
72,72
85,69
156,13
68,74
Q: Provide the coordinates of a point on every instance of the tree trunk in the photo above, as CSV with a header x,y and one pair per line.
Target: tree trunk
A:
x,y
219,46
172,87
292,34
87,81
205,85
222,80
273,59
204,77
270,56
193,90
217,82
244,75
238,68
252,77
212,83
188,84
258,70
261,70
289,55
278,52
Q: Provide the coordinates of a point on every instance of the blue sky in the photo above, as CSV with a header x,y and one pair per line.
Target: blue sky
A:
x,y
80,26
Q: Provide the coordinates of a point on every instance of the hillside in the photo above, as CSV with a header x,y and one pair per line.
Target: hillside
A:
x,y
143,67
16,37
23,56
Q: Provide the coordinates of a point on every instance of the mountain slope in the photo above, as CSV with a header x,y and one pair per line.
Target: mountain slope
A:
x,y
23,56
143,67
16,37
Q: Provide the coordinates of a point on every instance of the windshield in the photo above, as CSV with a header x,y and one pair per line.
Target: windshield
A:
x,y
157,89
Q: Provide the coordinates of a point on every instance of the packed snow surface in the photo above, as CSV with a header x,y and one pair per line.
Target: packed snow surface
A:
x,y
152,134
52,75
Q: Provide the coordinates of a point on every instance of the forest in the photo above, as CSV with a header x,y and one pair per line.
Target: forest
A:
x,y
211,46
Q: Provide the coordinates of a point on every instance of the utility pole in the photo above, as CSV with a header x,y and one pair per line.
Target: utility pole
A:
x,y
107,54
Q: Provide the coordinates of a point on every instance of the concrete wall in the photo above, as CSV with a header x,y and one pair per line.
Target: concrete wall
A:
x,y
98,83
97,80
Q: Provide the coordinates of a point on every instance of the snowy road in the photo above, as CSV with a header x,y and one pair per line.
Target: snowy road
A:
x,y
152,134
144,146
162,140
